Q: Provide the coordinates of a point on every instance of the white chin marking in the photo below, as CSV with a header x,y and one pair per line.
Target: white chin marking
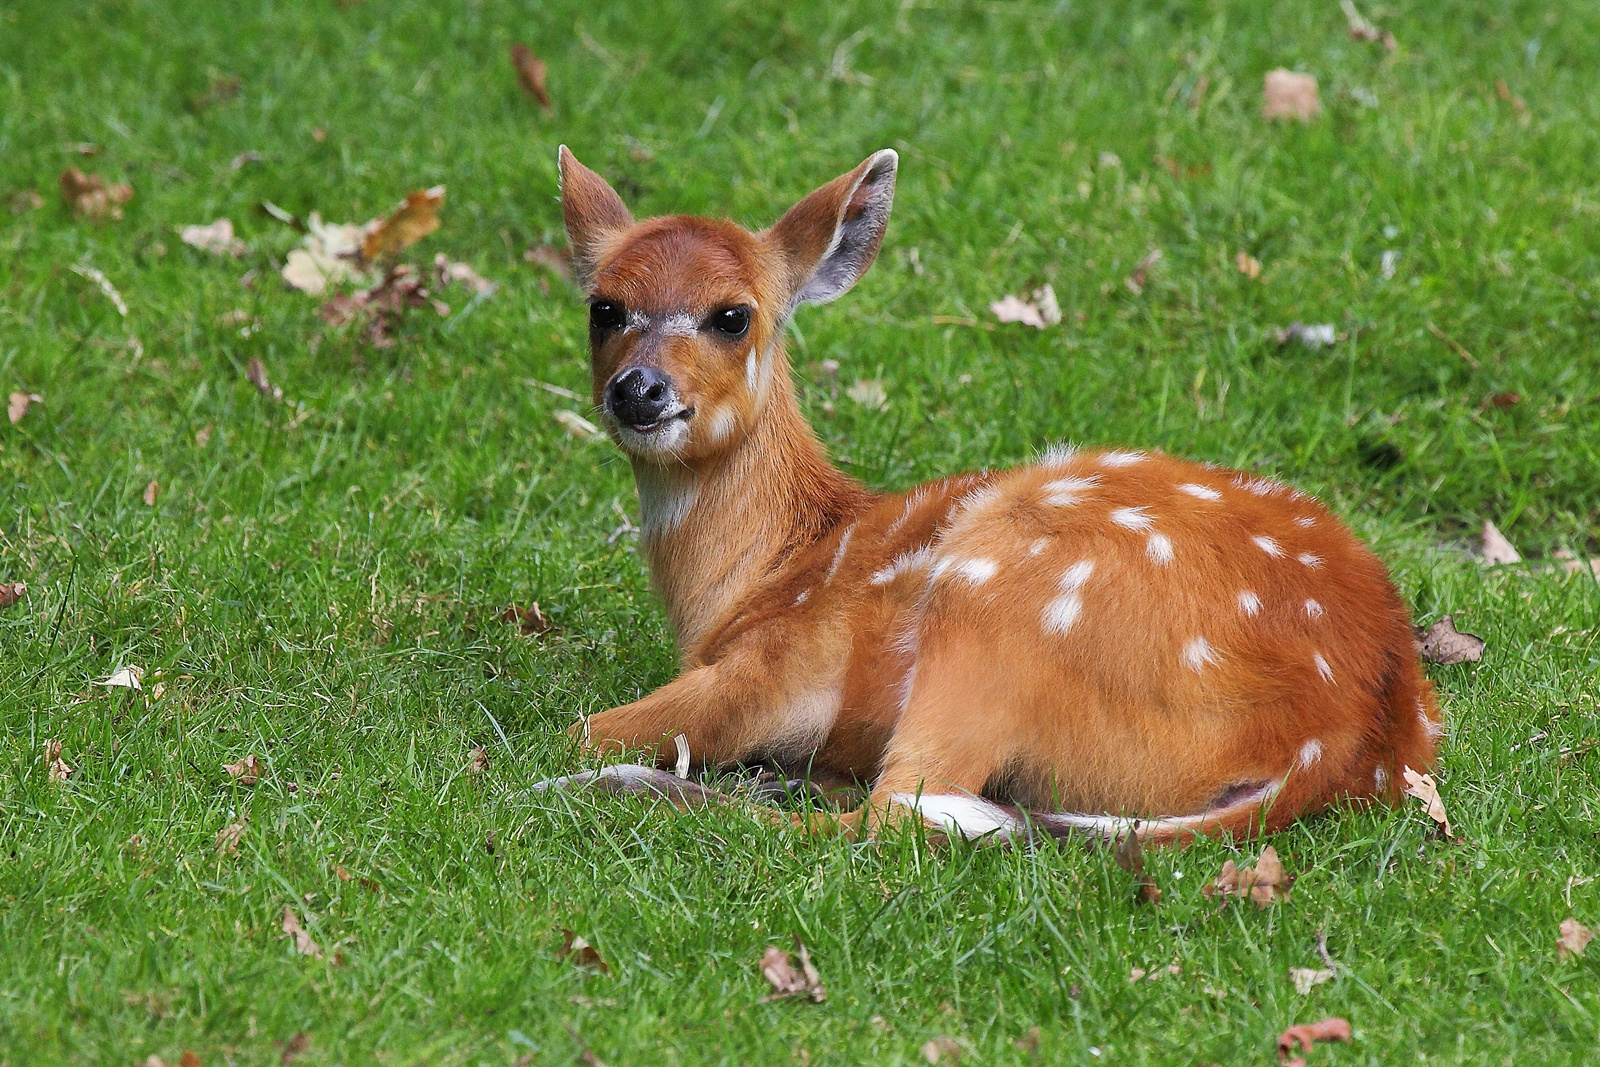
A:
x,y
662,442
957,813
721,425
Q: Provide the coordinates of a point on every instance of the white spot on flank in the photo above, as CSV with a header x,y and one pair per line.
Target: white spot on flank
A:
x,y
1132,519
1204,492
1058,455
1062,612
1309,560
1120,458
805,594
905,561
1064,492
1268,545
1310,752
1380,778
977,571
979,499
1306,522
1249,603
1198,653
838,555
968,816
1313,610
913,502
1322,666
680,324
1257,486
1038,546
1159,548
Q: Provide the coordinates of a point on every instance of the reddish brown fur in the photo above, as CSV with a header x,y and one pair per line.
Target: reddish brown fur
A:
x,y
953,673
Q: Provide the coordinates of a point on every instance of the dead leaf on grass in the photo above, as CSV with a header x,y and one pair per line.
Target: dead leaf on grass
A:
x,y
1497,549
18,406
228,838
1442,643
103,284
578,952
1319,335
1362,30
451,272
1028,1042
329,254
789,980
576,425
246,772
303,944
217,238
1248,265
256,372
1265,883
1288,95
531,620
1130,857
384,305
1141,272
190,1058
1307,978
294,1047
557,261
151,491
942,1050
1575,937
26,200
1307,1034
531,72
202,436
870,393
91,197
478,760
1041,311
125,678
11,592
408,224
1425,789
60,771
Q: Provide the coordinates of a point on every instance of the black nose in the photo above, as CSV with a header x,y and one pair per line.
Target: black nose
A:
x,y
639,396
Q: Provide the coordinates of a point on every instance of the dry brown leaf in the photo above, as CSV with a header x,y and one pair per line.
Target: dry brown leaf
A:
x,y
451,272
202,436
942,1050
217,238
478,761
1287,95
1130,857
1307,1034
302,940
1248,265
1496,548
1040,312
228,838
410,223
787,979
1265,883
11,592
1425,789
577,425
26,200
1505,400
294,1047
1028,1042
578,952
90,197
383,306
1362,30
151,491
190,1058
1306,978
531,72
246,772
59,770
1442,643
19,404
531,620
1575,937
1141,272
870,393
557,261
125,678
256,372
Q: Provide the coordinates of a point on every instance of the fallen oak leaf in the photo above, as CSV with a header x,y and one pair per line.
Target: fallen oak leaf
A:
x,y
17,407
478,762
787,979
451,272
1362,30
578,952
1041,312
151,491
91,197
1425,789
1575,937
228,838
59,769
190,1058
247,771
216,238
1248,265
11,592
256,372
1265,883
294,1047
1307,1034
1442,643
1288,95
408,224
870,393
303,944
532,73
531,620
328,254
125,678
1306,978
1497,549
1141,272
1130,857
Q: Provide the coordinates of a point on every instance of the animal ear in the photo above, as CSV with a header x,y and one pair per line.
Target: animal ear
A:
x,y
593,212
830,238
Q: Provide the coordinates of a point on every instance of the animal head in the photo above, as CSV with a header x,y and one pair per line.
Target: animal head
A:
x,y
686,314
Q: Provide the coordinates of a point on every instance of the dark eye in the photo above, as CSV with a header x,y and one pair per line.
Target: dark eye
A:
x,y
731,322
606,315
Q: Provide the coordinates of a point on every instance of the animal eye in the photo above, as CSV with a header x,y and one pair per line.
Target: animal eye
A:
x,y
731,322
606,315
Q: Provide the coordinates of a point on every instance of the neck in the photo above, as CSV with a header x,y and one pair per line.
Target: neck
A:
x,y
714,532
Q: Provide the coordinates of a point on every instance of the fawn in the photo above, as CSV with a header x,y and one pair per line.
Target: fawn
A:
x,y
1098,641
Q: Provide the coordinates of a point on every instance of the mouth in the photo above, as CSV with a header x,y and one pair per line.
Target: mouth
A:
x,y
681,415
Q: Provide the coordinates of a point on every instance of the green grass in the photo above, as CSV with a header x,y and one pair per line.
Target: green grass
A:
x,y
319,583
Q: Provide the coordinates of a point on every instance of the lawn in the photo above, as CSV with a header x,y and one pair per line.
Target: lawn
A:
x,y
320,578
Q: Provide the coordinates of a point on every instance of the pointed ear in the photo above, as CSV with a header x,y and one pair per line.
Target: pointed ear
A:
x,y
830,238
593,212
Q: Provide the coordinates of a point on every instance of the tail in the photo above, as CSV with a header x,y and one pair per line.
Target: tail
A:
x,y
1246,815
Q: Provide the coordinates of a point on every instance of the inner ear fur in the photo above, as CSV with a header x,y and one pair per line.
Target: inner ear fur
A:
x,y
831,237
594,214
